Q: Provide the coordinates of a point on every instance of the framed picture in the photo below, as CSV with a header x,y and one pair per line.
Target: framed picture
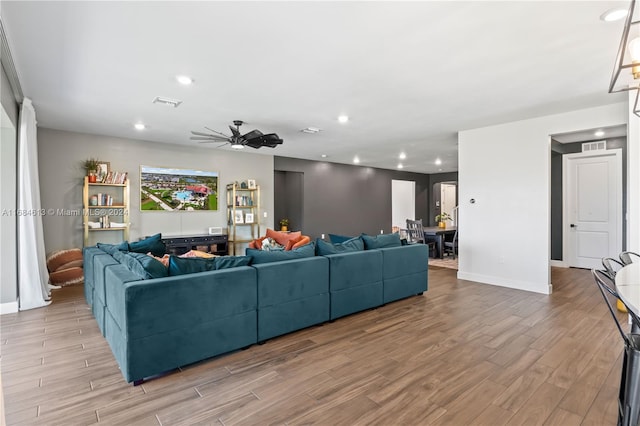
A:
x,y
248,218
251,183
238,217
165,189
104,167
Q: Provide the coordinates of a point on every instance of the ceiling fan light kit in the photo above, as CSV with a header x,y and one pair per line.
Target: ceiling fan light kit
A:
x,y
254,139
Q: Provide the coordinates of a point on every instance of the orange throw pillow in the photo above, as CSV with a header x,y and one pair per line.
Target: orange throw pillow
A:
x,y
257,244
293,244
283,238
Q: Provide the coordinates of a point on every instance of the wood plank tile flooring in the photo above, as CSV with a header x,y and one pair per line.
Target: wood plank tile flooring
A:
x,y
461,354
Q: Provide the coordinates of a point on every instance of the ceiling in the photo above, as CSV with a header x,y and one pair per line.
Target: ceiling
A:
x,y
410,75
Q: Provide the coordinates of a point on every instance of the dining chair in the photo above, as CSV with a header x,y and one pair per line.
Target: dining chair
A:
x,y
627,257
629,394
451,247
415,235
611,266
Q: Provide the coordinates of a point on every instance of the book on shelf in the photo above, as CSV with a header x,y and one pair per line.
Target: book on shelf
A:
x,y
115,178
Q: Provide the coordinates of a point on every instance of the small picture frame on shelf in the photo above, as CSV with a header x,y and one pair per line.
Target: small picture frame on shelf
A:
x,y
104,167
251,183
248,218
238,218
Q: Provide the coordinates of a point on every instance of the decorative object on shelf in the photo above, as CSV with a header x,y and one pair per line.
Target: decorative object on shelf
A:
x,y
284,224
170,189
251,183
626,72
238,217
442,218
102,171
243,185
254,139
243,215
91,167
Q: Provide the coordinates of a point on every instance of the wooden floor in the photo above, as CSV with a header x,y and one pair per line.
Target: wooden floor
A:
x,y
461,354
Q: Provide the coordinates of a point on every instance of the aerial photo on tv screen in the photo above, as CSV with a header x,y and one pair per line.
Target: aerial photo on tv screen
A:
x,y
165,189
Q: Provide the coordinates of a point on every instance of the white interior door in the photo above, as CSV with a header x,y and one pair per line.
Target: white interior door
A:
x,y
403,202
592,207
448,200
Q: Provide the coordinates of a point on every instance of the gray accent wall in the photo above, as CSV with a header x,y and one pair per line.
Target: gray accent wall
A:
x,y
61,179
349,200
8,188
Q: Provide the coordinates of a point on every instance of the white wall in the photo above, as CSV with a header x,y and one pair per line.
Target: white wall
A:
x,y
61,177
505,236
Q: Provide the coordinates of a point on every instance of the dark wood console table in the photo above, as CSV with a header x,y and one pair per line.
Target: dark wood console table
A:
x,y
214,244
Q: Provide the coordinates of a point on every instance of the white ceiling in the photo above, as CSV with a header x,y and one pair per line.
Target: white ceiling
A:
x,y
409,74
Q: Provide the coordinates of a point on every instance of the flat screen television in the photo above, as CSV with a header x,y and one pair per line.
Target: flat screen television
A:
x,y
165,189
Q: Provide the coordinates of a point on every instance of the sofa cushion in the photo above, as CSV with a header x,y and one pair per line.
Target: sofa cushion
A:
x,y
324,248
146,267
260,256
381,241
190,265
224,262
338,238
112,248
151,244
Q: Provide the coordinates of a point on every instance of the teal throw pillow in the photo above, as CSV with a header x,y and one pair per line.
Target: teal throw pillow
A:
x,y
224,262
112,248
144,266
336,239
259,256
324,248
151,244
190,265
381,241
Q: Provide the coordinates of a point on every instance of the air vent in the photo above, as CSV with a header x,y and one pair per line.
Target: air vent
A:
x,y
594,146
166,101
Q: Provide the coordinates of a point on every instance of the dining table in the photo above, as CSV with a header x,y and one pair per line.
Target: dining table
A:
x,y
437,234
628,287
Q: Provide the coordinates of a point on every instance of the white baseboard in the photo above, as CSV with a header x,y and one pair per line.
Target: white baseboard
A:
x,y
543,288
9,308
558,263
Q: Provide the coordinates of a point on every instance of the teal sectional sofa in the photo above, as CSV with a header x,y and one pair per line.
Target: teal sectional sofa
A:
x,y
155,323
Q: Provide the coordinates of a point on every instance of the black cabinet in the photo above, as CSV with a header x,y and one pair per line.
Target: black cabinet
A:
x,y
214,244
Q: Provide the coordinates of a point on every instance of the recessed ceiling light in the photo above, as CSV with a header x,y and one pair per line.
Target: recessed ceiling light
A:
x,y
324,156
402,156
614,15
139,126
184,79
438,161
311,130
599,133
400,166
356,160
343,118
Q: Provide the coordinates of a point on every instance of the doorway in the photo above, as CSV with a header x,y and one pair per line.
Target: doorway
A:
x,y
403,202
592,219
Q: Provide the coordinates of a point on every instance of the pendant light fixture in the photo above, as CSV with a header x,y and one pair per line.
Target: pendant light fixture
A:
x,y
626,73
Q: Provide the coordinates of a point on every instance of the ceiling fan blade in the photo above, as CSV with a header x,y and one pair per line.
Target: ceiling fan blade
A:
x,y
208,138
216,132
252,134
200,133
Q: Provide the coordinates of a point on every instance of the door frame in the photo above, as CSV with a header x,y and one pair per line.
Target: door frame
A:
x,y
566,222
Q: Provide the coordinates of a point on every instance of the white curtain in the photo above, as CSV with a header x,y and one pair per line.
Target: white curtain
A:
x,y
33,277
